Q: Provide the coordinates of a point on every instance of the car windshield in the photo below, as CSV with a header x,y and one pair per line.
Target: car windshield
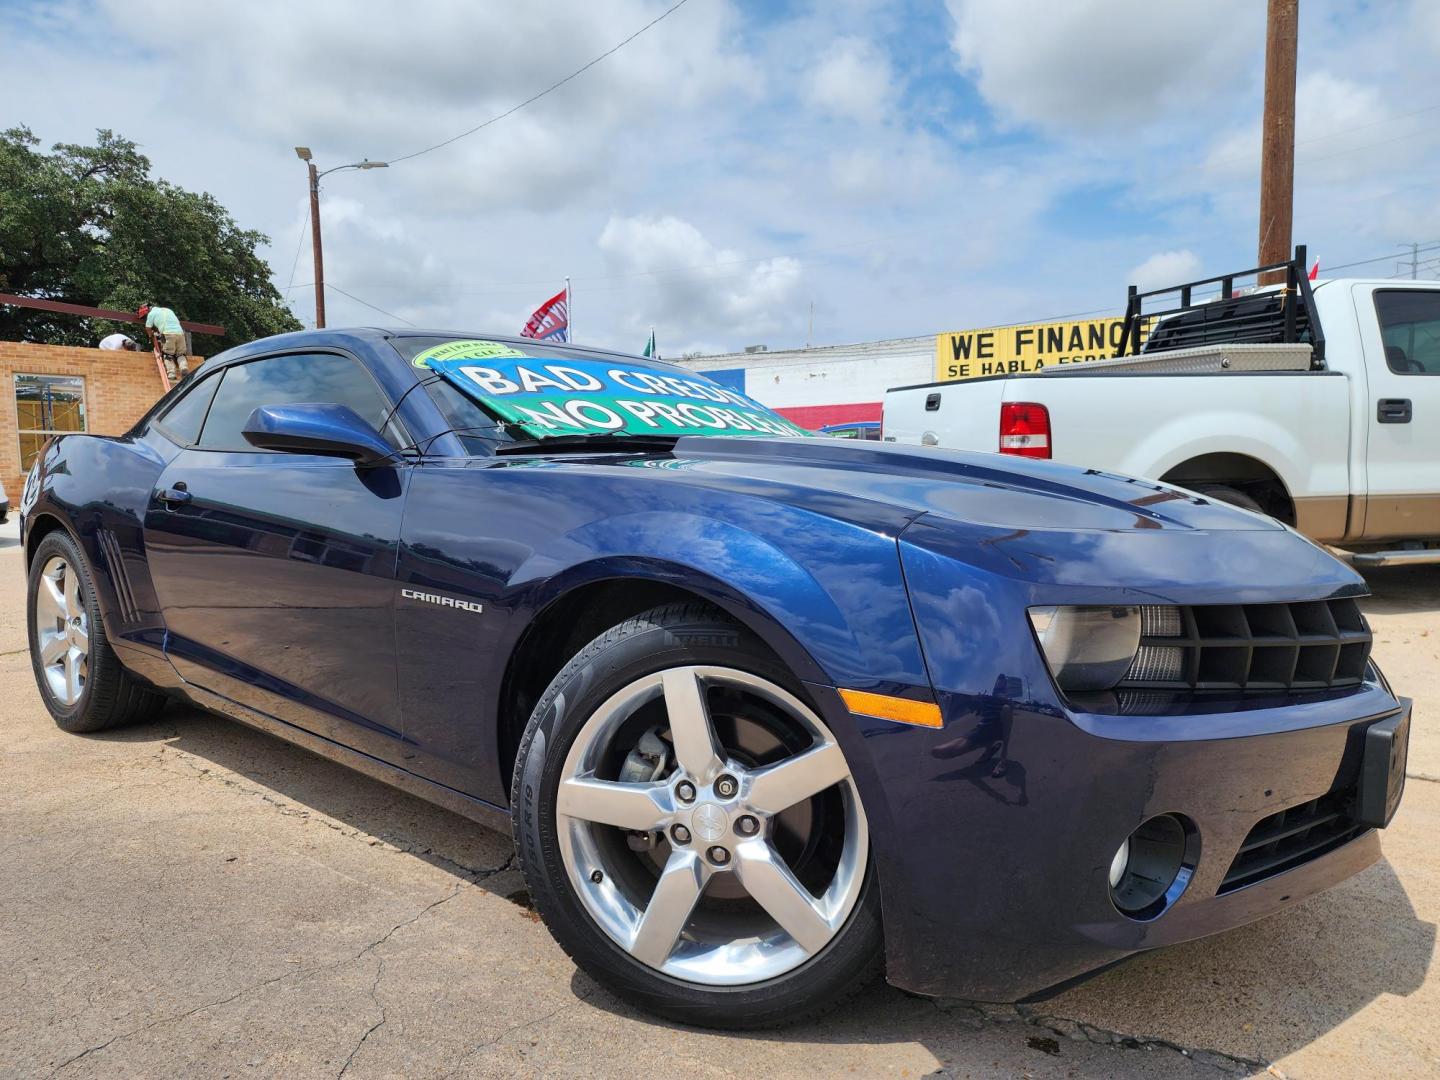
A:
x,y
540,391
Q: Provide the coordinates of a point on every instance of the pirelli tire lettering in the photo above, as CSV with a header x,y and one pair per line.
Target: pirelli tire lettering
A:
x,y
442,601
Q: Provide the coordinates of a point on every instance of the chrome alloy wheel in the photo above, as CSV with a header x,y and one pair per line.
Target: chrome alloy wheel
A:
x,y
62,631
713,825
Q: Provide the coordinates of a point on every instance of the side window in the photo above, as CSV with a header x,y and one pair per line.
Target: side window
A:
x,y
181,422
1410,328
310,378
477,430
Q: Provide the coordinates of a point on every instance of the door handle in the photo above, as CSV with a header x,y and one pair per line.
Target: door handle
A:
x,y
1393,410
174,496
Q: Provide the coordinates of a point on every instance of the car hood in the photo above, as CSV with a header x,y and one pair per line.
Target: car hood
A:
x,y
1001,492
1055,525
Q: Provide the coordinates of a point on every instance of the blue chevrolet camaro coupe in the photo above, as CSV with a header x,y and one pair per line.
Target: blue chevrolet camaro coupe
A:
x,y
767,713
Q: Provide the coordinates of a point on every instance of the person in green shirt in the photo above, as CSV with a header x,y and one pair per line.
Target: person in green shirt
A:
x,y
167,338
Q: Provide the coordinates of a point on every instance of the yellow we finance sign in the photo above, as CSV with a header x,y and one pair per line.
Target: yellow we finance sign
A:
x,y
1009,350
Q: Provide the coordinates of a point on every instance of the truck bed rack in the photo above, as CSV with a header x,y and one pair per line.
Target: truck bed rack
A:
x,y
1274,316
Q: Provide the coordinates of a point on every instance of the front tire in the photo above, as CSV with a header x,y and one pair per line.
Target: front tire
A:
x,y
81,680
689,829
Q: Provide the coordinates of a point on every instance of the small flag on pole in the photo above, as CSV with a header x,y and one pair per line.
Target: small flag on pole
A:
x,y
650,346
1315,270
551,321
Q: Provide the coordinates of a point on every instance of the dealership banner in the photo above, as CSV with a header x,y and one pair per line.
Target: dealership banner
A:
x,y
549,397
1010,350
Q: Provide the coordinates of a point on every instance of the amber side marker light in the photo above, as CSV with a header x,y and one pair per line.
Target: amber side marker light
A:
x,y
901,710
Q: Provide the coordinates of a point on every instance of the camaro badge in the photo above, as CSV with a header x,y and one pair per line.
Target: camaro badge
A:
x,y
443,601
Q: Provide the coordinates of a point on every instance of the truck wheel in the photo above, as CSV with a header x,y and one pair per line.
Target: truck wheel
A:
x,y
689,829
1226,494
81,680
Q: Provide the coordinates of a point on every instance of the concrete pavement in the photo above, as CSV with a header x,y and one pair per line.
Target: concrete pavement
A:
x,y
192,898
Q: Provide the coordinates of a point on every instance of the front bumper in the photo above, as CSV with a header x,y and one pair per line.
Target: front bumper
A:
x,y
995,833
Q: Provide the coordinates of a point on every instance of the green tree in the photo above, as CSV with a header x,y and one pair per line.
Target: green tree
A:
x,y
89,225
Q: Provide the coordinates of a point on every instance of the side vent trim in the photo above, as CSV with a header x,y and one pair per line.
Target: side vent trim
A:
x,y
124,594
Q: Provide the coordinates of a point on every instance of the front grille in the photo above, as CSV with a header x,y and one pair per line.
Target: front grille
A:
x,y
1251,648
1283,841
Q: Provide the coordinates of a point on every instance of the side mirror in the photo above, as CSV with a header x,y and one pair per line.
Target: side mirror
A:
x,y
316,429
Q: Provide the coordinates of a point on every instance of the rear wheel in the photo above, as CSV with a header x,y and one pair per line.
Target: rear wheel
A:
x,y
1227,494
689,828
81,680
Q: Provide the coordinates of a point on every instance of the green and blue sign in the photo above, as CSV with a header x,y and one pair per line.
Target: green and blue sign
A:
x,y
550,397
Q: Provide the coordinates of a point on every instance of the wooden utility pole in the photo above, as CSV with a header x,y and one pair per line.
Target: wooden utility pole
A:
x,y
1277,140
315,246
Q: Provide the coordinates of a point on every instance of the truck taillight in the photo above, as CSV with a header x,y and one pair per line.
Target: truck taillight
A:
x,y
1024,429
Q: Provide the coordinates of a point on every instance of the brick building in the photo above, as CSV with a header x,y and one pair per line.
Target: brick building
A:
x,y
51,388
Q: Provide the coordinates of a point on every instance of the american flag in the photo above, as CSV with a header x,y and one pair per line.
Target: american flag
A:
x,y
551,321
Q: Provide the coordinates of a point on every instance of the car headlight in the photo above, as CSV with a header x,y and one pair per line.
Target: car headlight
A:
x,y
1087,648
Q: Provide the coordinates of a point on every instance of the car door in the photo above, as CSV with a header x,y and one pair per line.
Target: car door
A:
x,y
1402,360
275,571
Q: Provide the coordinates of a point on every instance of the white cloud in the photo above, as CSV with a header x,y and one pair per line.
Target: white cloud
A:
x,y
1165,268
700,288
853,80
1336,120
829,153
1080,66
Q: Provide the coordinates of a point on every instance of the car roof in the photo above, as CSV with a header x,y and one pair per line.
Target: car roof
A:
x,y
375,335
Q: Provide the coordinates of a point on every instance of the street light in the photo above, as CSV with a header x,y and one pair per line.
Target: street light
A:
x,y
303,153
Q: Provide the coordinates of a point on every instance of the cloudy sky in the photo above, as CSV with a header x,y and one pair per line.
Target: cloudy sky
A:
x,y
904,167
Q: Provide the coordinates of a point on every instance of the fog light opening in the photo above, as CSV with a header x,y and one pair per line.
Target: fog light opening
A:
x,y
1152,867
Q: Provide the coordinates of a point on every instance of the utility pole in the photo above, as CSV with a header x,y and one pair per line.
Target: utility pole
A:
x,y
315,246
303,153
1277,141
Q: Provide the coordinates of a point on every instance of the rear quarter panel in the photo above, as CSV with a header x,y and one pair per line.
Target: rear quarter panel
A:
x,y
1146,425
97,489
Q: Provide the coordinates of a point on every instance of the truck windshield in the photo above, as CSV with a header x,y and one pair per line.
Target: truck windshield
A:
x,y
540,391
1410,328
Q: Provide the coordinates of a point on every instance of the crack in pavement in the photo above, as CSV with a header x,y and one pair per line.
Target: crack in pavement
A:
x,y
1080,1031
579,1000
374,987
297,975
305,813
167,1020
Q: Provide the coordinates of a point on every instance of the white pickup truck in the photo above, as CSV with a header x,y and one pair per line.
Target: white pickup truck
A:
x,y
1317,404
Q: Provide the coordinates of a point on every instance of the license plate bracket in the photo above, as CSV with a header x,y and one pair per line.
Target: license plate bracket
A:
x,y
1382,768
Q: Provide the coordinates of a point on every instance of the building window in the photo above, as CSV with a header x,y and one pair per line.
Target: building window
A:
x,y
46,405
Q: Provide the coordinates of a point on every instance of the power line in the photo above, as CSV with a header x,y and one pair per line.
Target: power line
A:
x,y
299,243
1377,258
366,303
1229,158
1106,310
554,86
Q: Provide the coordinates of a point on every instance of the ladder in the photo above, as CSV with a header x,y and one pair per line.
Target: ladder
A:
x,y
160,369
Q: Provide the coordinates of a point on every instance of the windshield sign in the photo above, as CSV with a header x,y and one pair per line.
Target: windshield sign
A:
x,y
548,397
